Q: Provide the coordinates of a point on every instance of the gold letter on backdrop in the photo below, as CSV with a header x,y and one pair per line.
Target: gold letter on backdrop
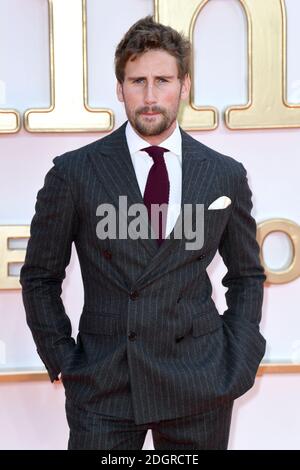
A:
x,y
292,230
267,105
9,118
69,111
10,256
9,121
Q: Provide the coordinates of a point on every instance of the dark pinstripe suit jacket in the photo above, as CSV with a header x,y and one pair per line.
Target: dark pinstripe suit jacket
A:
x,y
151,343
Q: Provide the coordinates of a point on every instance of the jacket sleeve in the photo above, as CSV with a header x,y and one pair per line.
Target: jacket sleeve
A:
x,y
52,232
244,278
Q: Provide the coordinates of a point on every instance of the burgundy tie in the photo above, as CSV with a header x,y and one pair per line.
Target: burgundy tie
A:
x,y
157,189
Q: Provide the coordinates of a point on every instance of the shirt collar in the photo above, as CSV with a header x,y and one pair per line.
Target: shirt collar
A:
x,y
136,143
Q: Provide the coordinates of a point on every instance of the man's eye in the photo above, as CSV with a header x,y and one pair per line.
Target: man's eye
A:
x,y
162,80
139,80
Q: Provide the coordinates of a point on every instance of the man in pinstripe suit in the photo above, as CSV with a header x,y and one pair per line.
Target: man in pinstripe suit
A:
x,y
152,350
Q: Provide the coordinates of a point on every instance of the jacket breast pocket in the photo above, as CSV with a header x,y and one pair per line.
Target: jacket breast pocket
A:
x,y
217,215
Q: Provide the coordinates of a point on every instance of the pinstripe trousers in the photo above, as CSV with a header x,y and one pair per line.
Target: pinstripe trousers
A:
x,y
90,430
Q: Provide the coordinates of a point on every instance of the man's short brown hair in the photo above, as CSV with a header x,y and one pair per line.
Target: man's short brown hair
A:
x,y
145,35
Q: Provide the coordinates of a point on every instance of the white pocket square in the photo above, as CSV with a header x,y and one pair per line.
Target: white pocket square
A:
x,y
221,203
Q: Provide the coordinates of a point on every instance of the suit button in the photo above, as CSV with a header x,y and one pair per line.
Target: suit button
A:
x,y
107,254
179,299
131,335
201,256
179,338
134,294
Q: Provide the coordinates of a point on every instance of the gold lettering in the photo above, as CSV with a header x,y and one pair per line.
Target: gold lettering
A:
x,y
9,256
69,111
292,230
267,106
9,121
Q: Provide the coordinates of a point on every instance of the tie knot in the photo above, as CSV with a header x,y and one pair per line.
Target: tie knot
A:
x,y
155,152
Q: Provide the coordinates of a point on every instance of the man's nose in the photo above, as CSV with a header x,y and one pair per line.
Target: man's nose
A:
x,y
150,97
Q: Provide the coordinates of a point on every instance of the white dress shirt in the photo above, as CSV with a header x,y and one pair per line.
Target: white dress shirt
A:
x,y
142,163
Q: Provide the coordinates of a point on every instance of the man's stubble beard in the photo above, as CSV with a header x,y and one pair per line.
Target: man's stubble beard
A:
x,y
155,128
152,129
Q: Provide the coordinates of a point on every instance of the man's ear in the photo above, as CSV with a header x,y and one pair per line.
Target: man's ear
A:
x,y
120,91
185,87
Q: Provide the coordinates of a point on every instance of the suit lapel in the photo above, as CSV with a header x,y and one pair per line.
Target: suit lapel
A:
x,y
115,170
197,174
113,166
